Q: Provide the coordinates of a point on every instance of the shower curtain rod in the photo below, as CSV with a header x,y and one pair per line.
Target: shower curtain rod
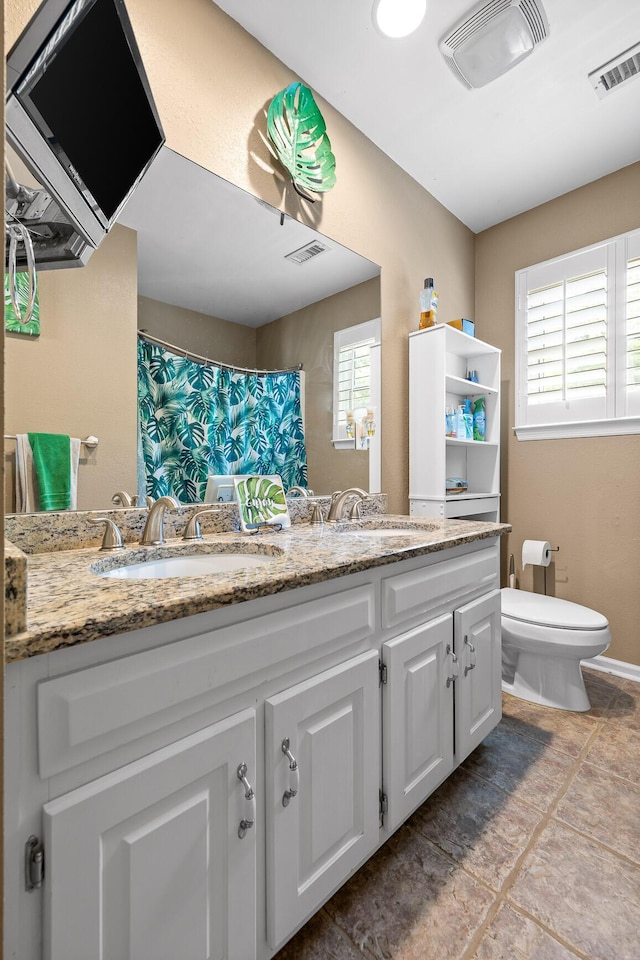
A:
x,y
213,363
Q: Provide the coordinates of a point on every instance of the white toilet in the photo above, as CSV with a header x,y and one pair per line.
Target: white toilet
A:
x,y
543,641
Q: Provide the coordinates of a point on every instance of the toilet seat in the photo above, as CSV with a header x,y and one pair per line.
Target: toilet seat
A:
x,y
535,608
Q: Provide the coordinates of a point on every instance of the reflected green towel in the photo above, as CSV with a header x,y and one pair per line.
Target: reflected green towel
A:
x,y
52,462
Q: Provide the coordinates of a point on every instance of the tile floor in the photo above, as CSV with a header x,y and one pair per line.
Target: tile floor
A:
x,y
530,851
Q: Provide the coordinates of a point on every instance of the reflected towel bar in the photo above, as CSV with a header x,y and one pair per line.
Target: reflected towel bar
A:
x,y
90,442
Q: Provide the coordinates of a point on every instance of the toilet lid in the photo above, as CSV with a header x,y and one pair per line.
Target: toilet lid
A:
x,y
549,611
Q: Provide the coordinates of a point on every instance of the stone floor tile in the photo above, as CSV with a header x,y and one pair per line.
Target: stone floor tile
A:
x,y
617,749
409,902
585,894
602,692
480,826
562,730
587,806
319,939
512,935
522,766
625,709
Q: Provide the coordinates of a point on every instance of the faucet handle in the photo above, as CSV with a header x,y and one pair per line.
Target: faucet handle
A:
x,y
192,530
124,499
112,539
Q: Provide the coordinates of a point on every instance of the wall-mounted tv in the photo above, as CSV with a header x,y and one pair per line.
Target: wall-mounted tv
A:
x,y
81,116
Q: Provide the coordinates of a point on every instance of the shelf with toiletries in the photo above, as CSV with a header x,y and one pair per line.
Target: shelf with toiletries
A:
x,y
451,376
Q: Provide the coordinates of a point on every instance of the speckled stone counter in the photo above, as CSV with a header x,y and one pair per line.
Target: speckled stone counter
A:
x,y
15,590
70,603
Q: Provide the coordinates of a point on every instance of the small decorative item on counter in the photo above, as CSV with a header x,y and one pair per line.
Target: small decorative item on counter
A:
x,y
479,419
455,485
261,502
428,305
467,326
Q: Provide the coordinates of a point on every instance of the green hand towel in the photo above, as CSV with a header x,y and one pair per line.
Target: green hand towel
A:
x,y
52,461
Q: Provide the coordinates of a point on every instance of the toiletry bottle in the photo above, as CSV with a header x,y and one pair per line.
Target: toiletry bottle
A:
x,y
468,419
450,422
479,419
459,423
428,305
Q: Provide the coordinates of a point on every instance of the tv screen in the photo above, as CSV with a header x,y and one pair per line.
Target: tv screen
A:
x,y
80,111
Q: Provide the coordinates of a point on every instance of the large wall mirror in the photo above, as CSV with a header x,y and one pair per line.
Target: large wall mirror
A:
x,y
201,264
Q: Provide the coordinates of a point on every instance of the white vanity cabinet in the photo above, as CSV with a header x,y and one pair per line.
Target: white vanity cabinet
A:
x,y
157,859
349,701
322,818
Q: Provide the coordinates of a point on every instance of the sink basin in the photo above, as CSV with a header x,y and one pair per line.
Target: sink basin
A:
x,y
182,565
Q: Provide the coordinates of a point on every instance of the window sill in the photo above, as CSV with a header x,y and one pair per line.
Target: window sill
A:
x,y
585,428
345,444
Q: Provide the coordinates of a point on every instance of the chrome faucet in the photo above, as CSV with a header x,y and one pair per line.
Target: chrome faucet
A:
x,y
153,532
299,491
338,500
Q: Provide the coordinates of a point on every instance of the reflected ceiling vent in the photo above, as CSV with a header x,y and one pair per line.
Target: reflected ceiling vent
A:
x,y
492,38
613,74
308,252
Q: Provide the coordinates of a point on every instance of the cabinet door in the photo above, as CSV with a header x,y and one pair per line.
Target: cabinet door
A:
x,y
417,712
478,687
146,863
317,837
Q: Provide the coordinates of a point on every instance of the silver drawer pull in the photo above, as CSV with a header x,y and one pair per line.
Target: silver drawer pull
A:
x,y
454,666
249,802
472,656
294,774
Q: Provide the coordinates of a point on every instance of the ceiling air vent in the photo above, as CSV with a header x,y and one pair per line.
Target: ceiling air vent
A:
x,y
492,38
613,74
308,252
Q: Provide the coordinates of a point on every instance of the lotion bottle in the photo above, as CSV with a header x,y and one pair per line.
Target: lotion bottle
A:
x,y
428,305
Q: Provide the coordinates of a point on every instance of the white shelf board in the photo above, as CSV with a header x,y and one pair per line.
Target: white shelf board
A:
x,y
466,388
456,442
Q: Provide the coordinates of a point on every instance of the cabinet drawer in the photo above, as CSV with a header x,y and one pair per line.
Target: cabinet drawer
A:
x,y
418,592
87,713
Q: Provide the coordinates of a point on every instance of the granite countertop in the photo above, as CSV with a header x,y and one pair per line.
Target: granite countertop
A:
x,y
69,603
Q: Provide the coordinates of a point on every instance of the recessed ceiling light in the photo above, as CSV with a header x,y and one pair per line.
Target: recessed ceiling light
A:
x,y
398,18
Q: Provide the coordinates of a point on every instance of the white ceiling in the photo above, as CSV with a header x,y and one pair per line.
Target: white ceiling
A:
x,y
486,154
209,246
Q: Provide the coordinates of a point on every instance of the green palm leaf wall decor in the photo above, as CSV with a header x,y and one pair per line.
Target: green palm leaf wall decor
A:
x,y
299,135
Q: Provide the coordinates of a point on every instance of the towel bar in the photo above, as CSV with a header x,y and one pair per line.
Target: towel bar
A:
x,y
91,442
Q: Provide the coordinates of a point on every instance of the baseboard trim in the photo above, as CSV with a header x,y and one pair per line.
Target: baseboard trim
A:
x,y
619,668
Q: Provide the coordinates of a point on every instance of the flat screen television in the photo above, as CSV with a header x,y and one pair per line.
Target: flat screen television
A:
x,y
81,116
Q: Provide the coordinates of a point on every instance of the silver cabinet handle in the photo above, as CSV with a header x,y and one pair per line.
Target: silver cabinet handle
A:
x,y
249,802
294,774
472,656
454,666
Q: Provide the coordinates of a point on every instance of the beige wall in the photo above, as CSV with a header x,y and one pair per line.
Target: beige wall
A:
x,y
79,376
230,343
581,494
306,337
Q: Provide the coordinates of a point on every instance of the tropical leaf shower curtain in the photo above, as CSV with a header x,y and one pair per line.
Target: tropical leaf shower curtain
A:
x,y
197,419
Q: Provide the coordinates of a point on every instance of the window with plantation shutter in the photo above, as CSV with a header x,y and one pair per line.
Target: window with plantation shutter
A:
x,y
352,384
578,343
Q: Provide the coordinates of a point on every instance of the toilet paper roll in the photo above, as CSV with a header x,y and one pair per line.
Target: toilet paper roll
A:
x,y
537,552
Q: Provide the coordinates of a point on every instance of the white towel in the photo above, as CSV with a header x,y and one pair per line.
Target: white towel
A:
x,y
75,457
25,476
26,497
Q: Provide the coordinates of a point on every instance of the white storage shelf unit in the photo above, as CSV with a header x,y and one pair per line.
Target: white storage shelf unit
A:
x,y
439,359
